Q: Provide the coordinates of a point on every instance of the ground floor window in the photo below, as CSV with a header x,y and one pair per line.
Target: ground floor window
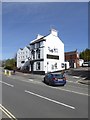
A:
x,y
22,61
38,65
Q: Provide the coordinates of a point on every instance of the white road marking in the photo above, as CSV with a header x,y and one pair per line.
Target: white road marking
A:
x,y
34,81
84,78
76,77
63,89
40,83
7,84
69,91
9,114
51,100
30,80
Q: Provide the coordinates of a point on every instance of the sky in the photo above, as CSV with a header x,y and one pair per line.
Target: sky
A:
x,y
22,21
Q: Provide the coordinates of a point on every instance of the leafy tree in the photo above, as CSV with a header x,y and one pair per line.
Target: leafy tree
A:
x,y
10,64
85,55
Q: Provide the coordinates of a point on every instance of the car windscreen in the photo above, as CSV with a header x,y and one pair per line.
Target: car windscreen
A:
x,y
58,76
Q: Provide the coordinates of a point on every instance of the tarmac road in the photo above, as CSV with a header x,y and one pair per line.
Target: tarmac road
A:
x,y
31,98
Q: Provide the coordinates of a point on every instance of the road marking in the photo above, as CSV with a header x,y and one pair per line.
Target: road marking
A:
x,y
70,91
71,81
34,81
62,88
9,114
84,78
30,80
76,77
7,84
40,83
51,100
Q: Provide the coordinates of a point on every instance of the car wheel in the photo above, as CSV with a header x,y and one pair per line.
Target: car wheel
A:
x,y
50,84
44,80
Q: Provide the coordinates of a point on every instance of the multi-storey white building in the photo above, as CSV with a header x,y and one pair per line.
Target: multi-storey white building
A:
x,y
22,56
46,53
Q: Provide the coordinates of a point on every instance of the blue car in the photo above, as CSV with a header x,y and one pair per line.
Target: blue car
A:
x,y
55,79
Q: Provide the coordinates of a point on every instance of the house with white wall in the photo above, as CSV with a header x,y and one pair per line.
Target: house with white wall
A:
x,y
22,56
46,54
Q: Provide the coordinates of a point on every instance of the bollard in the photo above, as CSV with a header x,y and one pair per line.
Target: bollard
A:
x,y
5,72
9,73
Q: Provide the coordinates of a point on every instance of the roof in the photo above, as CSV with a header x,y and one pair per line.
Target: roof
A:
x,y
21,48
38,40
71,52
28,47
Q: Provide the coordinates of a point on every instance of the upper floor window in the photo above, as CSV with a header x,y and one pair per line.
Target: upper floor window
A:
x,y
37,53
33,46
38,45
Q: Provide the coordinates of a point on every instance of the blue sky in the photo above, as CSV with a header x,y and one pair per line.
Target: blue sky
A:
x,y
22,21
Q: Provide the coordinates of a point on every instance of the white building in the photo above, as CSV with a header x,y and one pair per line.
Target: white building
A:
x,y
22,56
81,61
46,53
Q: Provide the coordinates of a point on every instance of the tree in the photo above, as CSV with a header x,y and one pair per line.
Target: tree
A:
x,y
10,64
85,54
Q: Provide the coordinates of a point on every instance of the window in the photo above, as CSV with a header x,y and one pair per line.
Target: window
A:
x,y
38,45
34,55
55,65
38,65
33,46
37,53
52,67
22,61
52,57
62,65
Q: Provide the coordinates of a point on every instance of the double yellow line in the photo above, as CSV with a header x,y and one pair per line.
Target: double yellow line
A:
x,y
3,109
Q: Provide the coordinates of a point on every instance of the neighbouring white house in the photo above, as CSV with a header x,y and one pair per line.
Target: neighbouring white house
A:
x,y
22,56
81,61
46,54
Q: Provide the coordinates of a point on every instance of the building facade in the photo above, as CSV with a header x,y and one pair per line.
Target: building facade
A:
x,y
46,53
22,56
73,58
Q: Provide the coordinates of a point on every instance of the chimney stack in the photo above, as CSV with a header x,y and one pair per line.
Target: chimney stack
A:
x,y
54,32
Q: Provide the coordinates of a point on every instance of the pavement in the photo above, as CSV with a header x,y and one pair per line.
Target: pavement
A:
x,y
81,73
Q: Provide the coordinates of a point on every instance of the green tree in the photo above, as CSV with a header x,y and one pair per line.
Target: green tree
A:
x,y
10,64
85,54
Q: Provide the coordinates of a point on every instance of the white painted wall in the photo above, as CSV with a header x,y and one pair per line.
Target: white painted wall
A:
x,y
52,42
22,55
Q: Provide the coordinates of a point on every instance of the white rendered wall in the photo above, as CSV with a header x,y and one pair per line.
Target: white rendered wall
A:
x,y
52,41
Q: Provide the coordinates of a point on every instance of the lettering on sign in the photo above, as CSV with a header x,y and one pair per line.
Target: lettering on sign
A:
x,y
53,50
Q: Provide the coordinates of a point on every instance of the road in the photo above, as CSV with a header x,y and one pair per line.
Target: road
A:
x,y
27,97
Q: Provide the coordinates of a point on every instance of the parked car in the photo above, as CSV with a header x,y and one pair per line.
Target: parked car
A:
x,y
86,64
55,79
